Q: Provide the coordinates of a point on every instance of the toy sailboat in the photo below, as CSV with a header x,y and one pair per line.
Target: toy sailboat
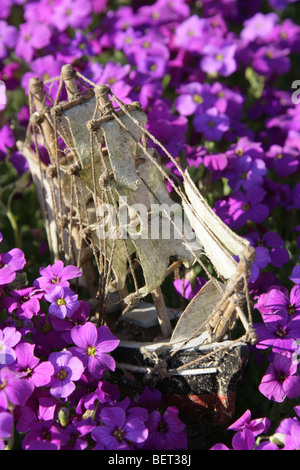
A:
x,y
108,210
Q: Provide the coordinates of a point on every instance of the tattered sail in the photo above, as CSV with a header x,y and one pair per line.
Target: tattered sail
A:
x,y
110,200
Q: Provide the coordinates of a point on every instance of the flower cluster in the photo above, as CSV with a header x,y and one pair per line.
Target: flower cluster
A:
x,y
218,81
55,369
250,434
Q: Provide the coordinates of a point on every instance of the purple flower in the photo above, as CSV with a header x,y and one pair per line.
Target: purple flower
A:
x,y
72,13
277,302
284,161
92,346
24,301
6,425
67,370
36,372
219,59
14,259
268,60
3,101
9,337
118,431
280,334
281,379
8,35
7,275
247,173
247,206
13,389
190,33
32,36
194,97
277,254
56,275
256,426
292,440
211,124
166,431
44,68
295,276
43,433
63,302
259,26
185,288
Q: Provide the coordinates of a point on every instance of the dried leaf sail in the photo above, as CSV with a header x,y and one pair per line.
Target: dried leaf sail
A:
x,y
107,205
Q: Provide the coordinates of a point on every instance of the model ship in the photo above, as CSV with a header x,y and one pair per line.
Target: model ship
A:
x,y
107,210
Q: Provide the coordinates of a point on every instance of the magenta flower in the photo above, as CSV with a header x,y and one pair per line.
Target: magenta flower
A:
x,y
279,334
8,34
190,34
3,101
292,440
32,36
6,425
13,389
248,206
9,337
63,302
256,426
219,59
72,13
36,372
166,431
56,275
281,379
40,426
118,431
259,26
211,124
24,301
247,173
15,259
194,97
92,346
278,302
185,288
67,370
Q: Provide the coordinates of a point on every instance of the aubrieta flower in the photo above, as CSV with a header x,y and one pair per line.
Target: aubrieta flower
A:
x,y
35,371
8,35
194,97
67,370
259,26
256,426
13,390
219,58
186,289
211,124
9,337
56,275
63,302
281,379
118,431
24,301
92,346
6,427
278,302
32,36
166,431
247,206
71,13
11,262
41,427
